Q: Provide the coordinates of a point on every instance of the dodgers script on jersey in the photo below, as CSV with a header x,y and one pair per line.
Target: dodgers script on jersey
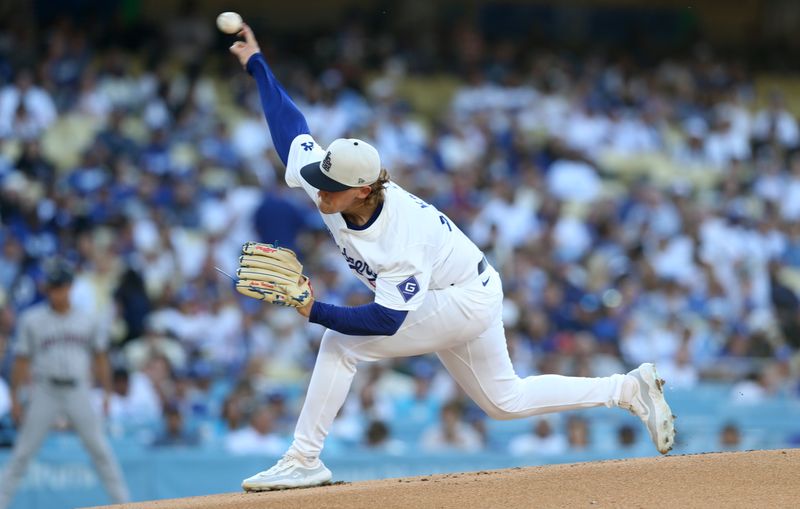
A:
x,y
398,260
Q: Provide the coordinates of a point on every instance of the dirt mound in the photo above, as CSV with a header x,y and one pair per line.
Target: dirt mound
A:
x,y
744,479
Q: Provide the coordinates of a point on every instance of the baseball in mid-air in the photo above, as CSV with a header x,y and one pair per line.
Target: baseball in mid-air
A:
x,y
229,22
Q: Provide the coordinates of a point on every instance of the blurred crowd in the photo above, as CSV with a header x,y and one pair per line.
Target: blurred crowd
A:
x,y
638,210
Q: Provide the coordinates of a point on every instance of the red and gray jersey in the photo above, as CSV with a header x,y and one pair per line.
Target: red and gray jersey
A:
x,y
59,345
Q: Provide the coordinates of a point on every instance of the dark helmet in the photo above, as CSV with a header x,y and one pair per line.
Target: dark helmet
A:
x,y
58,272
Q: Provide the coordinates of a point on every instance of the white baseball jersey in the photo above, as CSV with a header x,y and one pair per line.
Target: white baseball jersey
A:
x,y
398,260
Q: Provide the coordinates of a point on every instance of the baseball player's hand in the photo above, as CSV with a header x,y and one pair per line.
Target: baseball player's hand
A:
x,y
306,310
16,412
247,48
106,404
273,274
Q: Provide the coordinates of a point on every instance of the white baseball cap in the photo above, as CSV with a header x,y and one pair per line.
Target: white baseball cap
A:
x,y
348,163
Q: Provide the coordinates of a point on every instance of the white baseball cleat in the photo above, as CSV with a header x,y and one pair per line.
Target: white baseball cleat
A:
x,y
289,472
649,405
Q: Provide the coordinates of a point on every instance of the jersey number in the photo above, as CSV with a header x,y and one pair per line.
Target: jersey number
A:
x,y
445,222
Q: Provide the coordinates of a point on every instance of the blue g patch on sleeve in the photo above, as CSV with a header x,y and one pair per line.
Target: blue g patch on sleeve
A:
x,y
408,288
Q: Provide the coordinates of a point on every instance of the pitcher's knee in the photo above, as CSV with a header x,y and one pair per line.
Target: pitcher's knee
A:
x,y
502,411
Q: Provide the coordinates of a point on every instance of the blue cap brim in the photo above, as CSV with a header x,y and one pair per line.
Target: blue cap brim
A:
x,y
314,175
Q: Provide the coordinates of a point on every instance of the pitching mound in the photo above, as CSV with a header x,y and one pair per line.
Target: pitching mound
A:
x,y
745,479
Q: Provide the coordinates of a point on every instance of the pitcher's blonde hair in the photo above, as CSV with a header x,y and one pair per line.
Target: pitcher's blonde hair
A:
x,y
377,188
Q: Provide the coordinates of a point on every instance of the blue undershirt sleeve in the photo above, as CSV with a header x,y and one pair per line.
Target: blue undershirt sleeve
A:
x,y
284,119
367,320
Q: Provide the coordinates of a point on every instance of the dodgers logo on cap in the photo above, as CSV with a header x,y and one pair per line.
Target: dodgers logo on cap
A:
x,y
326,163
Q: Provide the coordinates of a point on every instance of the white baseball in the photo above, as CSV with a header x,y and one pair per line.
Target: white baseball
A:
x,y
229,22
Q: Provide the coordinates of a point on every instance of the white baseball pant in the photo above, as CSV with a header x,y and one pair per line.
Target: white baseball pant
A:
x,y
463,326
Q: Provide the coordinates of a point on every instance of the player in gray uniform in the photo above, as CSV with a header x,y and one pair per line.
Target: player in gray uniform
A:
x,y
57,344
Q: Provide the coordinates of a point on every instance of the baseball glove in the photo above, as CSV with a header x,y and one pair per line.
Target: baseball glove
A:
x,y
273,274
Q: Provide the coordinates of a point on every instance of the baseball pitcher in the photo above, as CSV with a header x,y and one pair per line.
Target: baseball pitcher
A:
x,y
58,345
434,292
